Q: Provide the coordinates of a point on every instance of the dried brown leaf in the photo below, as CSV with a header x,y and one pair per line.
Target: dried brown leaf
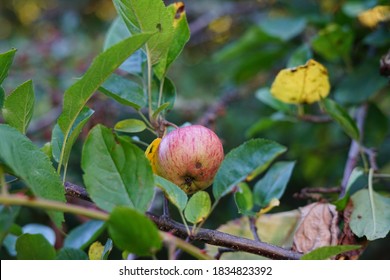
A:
x,y
317,227
347,237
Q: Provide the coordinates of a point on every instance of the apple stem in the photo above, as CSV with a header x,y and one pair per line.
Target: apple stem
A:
x,y
167,123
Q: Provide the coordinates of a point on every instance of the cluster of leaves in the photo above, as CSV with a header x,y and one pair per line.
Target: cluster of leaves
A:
x,y
338,36
142,43
350,39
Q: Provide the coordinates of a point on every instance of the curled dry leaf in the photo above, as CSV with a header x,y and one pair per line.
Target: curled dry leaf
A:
x,y
317,227
347,237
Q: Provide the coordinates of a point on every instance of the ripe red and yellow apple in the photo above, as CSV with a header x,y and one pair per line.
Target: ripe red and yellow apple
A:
x,y
189,157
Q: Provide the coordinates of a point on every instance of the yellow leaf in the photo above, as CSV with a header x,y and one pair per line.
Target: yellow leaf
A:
x,y
273,203
151,153
372,17
303,84
221,25
95,251
179,13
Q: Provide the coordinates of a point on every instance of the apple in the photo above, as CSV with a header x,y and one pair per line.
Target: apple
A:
x,y
190,157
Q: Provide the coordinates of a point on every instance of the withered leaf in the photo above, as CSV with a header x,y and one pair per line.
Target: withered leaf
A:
x,y
347,237
316,228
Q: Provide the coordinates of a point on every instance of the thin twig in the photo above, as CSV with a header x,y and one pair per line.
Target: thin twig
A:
x,y
222,251
315,193
315,118
253,227
354,150
22,200
167,123
372,155
218,238
218,109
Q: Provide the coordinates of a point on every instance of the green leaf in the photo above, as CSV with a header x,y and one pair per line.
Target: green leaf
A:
x,y
116,172
300,56
9,241
276,27
8,215
16,229
198,207
9,244
107,249
33,166
247,160
338,114
148,16
130,126
47,149
273,184
268,123
34,247
175,194
324,253
6,60
45,231
181,35
254,52
124,91
361,84
71,254
380,37
160,109
333,42
83,235
261,125
244,199
101,68
2,97
250,41
117,32
19,105
265,96
352,184
134,232
57,137
371,215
